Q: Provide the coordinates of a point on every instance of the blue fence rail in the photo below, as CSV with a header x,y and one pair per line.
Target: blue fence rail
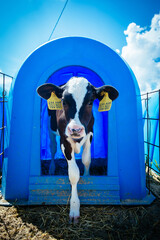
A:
x,y
151,117
5,83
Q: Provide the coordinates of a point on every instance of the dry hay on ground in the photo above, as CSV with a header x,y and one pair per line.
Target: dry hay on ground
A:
x,y
96,222
154,183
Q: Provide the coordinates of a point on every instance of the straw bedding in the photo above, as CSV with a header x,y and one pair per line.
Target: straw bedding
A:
x,y
96,222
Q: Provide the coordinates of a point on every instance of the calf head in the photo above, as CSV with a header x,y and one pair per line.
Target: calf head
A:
x,y
77,97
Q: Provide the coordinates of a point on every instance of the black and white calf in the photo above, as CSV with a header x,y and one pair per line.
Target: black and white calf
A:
x,y
74,123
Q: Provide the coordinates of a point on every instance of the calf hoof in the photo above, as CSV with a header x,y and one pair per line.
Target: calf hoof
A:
x,y
73,220
51,172
86,171
52,169
86,174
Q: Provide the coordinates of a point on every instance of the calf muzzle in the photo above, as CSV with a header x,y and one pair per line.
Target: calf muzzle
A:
x,y
76,131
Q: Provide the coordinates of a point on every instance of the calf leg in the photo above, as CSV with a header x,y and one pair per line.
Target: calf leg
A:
x,y
86,155
74,175
53,149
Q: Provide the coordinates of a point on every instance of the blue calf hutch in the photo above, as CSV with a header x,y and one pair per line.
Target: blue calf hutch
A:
x,y
118,134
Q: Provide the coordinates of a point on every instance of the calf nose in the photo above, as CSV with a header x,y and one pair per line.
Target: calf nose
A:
x,y
75,130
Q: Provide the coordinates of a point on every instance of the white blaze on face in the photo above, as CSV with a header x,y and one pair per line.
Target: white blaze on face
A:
x,y
77,86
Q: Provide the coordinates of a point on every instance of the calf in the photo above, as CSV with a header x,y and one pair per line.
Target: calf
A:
x,y
74,122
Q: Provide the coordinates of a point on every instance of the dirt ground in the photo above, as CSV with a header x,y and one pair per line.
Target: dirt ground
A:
x,y
96,222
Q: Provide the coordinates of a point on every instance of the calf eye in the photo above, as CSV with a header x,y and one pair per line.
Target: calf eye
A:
x,y
90,103
64,102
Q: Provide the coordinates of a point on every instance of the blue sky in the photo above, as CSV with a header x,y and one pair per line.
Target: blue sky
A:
x,y
26,24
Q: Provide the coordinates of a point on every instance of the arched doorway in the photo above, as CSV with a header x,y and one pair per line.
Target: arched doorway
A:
x,y
99,147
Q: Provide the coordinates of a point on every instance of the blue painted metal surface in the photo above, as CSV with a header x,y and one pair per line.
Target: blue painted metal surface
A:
x,y
91,190
125,126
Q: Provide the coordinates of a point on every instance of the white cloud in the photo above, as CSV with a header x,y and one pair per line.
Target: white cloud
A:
x,y
142,53
118,51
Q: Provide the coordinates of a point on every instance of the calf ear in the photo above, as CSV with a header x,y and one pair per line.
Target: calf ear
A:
x,y
45,90
106,94
112,92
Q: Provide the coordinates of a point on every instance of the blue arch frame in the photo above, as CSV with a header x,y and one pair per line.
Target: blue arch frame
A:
x,y
125,143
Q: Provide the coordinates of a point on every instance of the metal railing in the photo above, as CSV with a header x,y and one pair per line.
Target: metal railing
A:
x,y
3,100
146,97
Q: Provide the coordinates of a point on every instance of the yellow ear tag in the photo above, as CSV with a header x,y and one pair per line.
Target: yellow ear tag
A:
x,y
106,103
54,103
